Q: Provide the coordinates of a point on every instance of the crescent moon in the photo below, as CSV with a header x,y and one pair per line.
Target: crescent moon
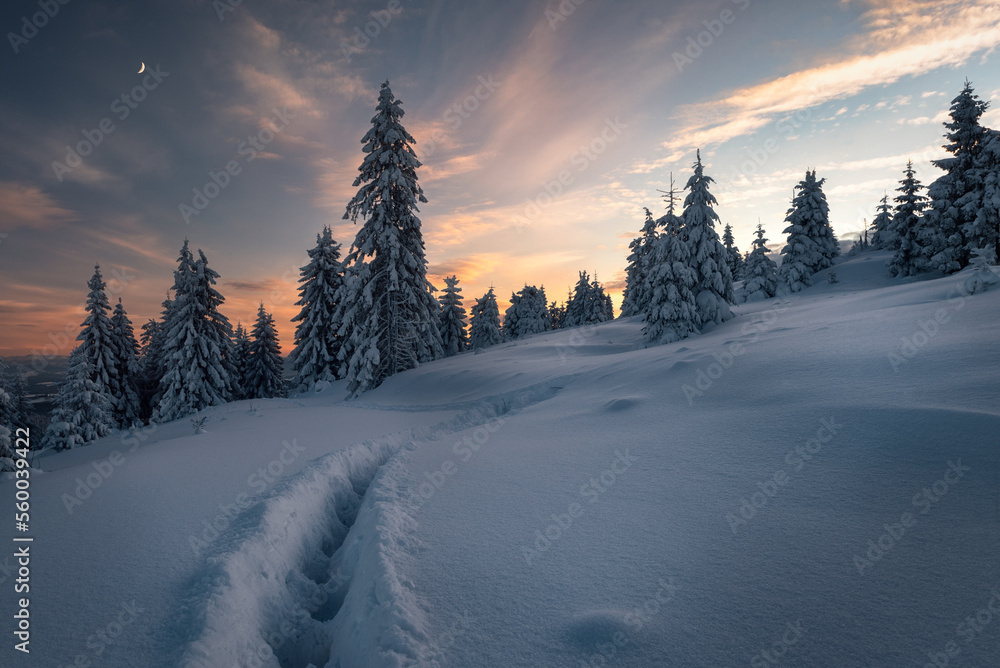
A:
x,y
142,68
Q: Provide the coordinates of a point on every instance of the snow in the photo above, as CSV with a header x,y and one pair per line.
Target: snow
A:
x,y
407,530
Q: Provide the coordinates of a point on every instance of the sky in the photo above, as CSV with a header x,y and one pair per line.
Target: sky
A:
x,y
544,128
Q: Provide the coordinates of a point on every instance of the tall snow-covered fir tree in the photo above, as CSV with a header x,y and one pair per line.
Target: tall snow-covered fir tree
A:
x,y
557,313
510,317
484,328
907,226
811,245
599,306
315,356
528,313
454,338
635,298
733,256
885,237
8,427
265,366
387,310
83,412
983,231
534,311
670,221
97,341
241,362
956,196
152,365
197,347
673,311
578,307
587,304
20,409
147,380
713,289
760,273
125,349
15,412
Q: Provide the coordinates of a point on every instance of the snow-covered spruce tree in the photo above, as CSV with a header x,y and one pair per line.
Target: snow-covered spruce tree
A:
x,y
955,196
670,221
535,315
673,311
241,362
454,338
733,256
587,304
884,238
821,220
528,313
15,411
147,380
8,412
126,355
152,366
510,318
811,246
8,427
317,345
97,343
983,275
713,289
484,328
907,225
984,230
389,316
760,272
556,314
21,413
82,410
197,349
599,307
635,298
264,368
609,307
577,308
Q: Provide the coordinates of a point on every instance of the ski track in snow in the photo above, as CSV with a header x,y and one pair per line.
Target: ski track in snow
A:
x,y
314,575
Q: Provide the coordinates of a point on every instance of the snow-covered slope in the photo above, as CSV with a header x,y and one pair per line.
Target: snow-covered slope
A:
x,y
814,483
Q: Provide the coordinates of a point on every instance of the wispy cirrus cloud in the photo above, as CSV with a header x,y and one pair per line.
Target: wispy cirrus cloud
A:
x,y
922,36
27,205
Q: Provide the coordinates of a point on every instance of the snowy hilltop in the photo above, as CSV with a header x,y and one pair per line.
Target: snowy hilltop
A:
x,y
814,475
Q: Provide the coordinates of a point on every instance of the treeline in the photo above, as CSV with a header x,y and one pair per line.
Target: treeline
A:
x,y
373,313
680,275
363,318
958,219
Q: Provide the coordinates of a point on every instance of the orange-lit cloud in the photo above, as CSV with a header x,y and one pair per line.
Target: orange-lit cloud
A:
x,y
919,36
26,205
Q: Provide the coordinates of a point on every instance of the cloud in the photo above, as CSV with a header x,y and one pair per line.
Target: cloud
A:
x,y
468,268
27,205
252,286
129,233
921,155
334,184
921,37
941,117
459,164
274,90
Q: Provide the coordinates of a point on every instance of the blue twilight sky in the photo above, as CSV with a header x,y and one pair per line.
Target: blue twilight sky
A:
x,y
544,128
